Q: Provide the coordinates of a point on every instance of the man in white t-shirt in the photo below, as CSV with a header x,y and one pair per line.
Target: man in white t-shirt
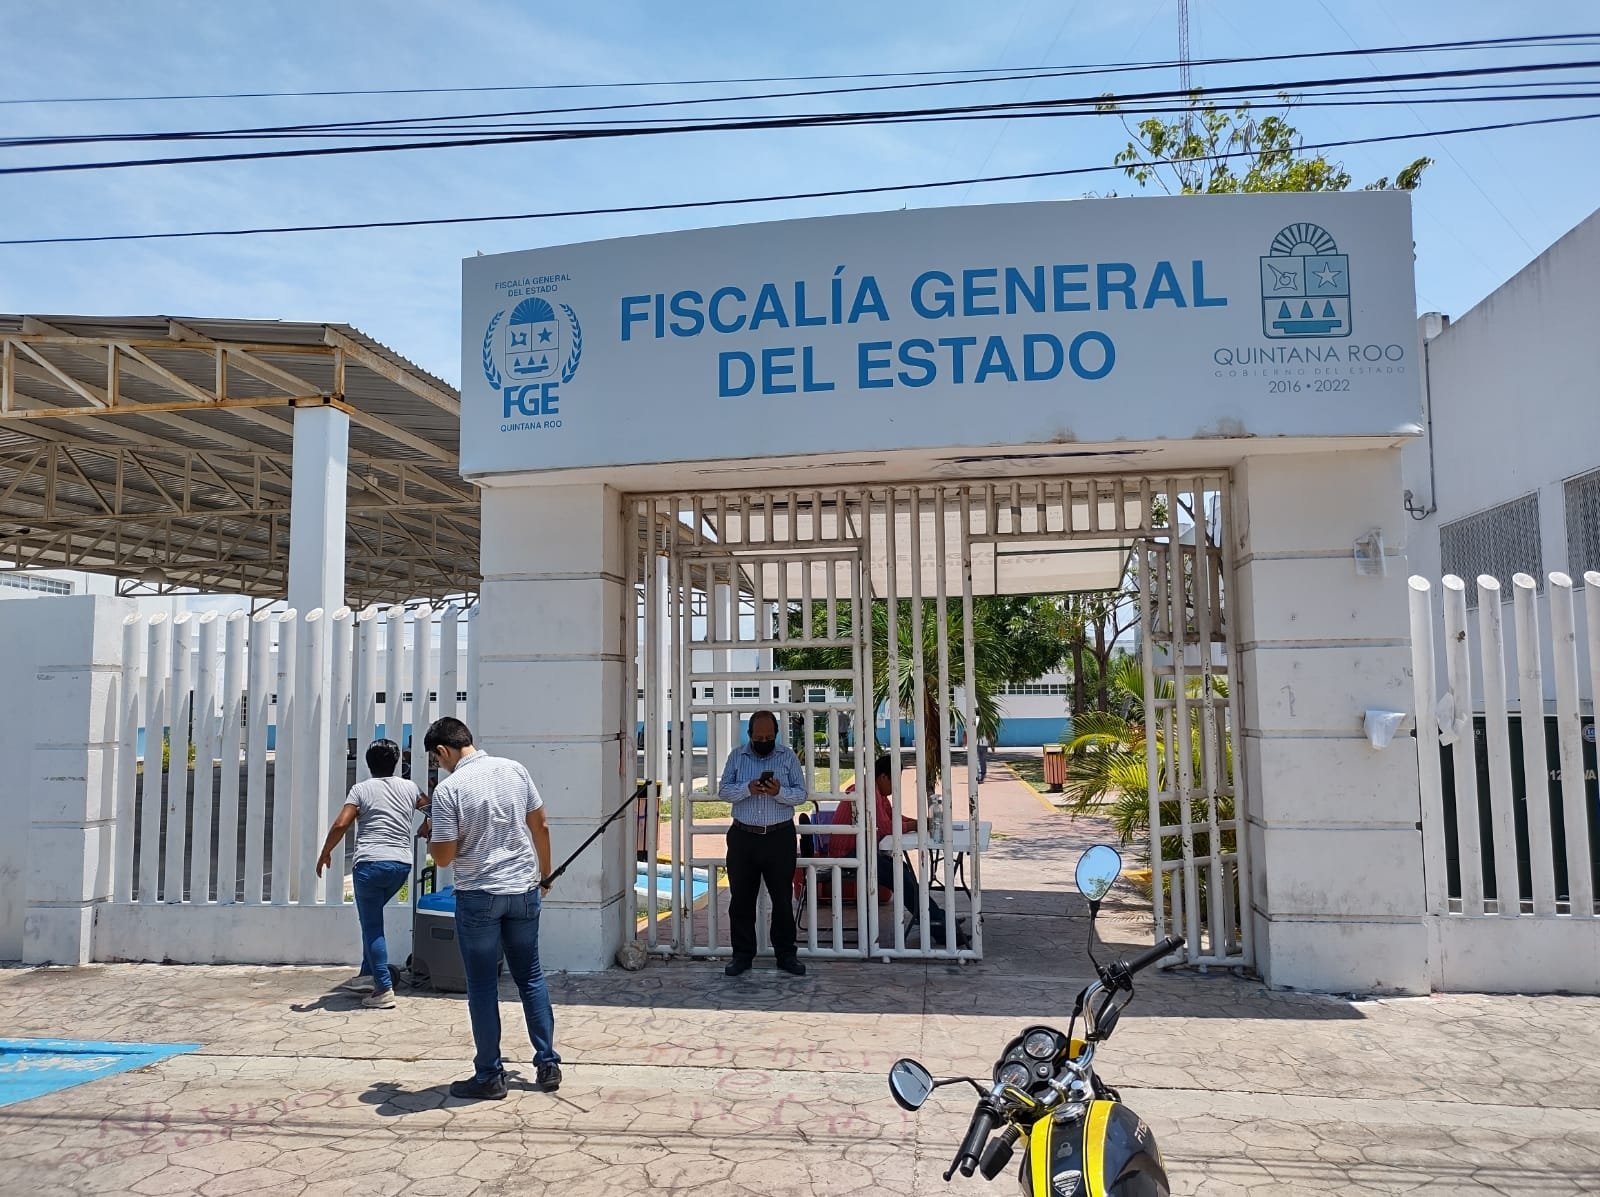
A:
x,y
384,809
488,821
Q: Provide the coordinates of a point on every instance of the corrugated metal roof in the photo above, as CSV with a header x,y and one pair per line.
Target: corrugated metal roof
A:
x,y
200,491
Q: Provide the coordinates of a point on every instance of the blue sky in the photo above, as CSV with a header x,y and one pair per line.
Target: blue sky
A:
x,y
1490,203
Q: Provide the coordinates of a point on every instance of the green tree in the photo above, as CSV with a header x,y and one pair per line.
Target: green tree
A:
x,y
1014,639
1108,767
1213,151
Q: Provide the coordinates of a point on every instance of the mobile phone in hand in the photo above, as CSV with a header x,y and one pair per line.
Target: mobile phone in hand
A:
x,y
766,777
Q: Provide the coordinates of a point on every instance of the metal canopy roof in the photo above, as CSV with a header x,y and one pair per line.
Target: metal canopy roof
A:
x,y
159,450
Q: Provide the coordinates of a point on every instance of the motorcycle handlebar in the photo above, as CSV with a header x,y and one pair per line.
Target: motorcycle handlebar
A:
x,y
1161,951
982,1125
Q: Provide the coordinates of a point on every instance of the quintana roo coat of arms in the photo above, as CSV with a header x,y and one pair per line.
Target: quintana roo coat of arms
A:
x,y
1305,285
540,342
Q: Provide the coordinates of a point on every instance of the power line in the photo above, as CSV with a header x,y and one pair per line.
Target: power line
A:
x,y
794,122
1470,93
1525,41
765,199
977,77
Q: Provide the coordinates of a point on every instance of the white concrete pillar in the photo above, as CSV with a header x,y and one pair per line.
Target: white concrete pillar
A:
x,y
1336,856
62,660
551,671
317,508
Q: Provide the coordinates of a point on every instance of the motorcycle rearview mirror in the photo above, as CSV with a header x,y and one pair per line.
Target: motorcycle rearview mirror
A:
x,y
910,1083
1098,869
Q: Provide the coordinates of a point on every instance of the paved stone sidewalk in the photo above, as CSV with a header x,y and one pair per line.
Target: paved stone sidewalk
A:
x,y
681,1080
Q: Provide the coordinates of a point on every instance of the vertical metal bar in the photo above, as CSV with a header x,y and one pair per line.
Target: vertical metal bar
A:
x,y
1149,599
1208,740
1231,743
1591,601
1569,741
205,742
864,690
159,661
833,564
260,715
366,699
892,713
235,666
1429,772
1535,762
1458,670
450,661
128,755
342,635
394,661
1497,735
969,690
1180,741
182,704
307,799
807,564
473,649
283,827
421,685
921,732
942,640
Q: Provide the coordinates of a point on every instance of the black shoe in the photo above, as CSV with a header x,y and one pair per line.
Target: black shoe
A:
x,y
472,1089
548,1078
736,967
792,966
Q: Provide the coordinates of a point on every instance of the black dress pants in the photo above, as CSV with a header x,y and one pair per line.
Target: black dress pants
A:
x,y
753,859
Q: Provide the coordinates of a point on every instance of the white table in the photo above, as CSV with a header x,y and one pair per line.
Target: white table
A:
x,y
959,845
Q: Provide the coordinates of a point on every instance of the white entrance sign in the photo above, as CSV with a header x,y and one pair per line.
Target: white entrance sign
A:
x,y
1087,321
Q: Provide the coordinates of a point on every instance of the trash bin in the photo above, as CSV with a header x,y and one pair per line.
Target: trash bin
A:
x,y
1055,767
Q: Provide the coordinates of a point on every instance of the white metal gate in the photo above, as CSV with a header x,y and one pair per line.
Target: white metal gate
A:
x,y
1198,832
861,586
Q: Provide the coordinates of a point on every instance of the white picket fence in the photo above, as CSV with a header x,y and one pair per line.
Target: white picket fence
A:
x,y
1509,865
218,862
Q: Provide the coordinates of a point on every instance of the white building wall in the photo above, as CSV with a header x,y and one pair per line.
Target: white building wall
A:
x,y
1514,392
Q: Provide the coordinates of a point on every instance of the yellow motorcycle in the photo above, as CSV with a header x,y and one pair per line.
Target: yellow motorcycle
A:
x,y
1081,1140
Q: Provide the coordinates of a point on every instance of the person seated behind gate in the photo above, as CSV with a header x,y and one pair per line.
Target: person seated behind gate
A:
x,y
844,846
383,808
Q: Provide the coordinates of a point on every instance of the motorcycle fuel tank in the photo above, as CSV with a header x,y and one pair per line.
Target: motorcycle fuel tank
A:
x,y
1110,1153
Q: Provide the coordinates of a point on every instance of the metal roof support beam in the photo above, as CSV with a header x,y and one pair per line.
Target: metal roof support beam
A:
x,y
383,368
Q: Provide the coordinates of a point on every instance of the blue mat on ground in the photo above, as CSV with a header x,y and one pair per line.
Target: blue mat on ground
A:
x,y
33,1067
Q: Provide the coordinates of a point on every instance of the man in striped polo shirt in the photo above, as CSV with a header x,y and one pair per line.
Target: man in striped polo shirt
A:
x,y
764,782
488,820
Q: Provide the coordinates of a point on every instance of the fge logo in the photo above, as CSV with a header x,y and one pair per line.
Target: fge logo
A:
x,y
528,356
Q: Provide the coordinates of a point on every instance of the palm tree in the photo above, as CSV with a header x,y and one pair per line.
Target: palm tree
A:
x,y
1108,764
1014,639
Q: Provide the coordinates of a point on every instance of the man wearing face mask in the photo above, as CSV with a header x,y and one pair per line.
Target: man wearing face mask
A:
x,y
762,779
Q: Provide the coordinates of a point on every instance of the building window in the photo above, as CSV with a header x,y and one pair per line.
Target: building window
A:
x,y
1500,542
461,696
22,581
745,693
817,694
1583,524
777,694
1034,688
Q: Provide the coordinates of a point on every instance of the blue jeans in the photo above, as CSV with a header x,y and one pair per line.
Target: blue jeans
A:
x,y
376,882
486,925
